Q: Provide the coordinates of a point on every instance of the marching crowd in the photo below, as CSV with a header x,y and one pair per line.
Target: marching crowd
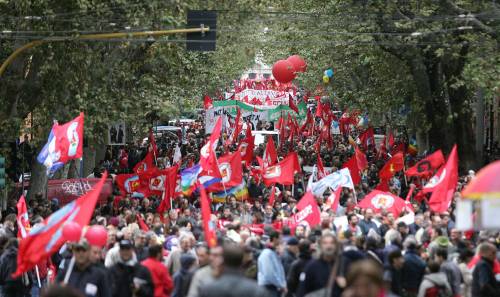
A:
x,y
164,254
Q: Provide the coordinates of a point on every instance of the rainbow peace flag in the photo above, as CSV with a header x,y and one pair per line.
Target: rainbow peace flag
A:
x,y
240,191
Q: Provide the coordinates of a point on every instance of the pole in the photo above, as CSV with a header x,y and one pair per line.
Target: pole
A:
x,y
100,36
70,269
38,276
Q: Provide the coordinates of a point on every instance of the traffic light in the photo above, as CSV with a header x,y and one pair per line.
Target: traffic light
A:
x,y
201,41
2,172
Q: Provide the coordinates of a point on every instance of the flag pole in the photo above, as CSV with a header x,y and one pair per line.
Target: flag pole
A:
x,y
38,276
70,269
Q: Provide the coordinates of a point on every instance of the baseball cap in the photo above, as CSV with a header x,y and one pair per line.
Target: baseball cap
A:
x,y
126,244
292,241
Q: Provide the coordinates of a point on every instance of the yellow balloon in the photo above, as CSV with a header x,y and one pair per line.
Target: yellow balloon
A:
x,y
326,79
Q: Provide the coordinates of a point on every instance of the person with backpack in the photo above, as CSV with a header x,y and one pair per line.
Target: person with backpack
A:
x,y
435,284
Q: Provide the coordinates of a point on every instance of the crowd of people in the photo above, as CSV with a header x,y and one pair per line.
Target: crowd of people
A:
x,y
165,254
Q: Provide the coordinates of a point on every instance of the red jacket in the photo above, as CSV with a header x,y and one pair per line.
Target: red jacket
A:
x,y
161,278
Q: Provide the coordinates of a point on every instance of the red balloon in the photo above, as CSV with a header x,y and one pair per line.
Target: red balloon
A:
x,y
298,63
283,71
72,231
97,235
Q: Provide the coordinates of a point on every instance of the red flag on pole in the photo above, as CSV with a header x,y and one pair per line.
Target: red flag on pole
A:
x,y
206,213
443,193
46,238
272,196
395,164
308,211
321,169
141,223
246,146
207,102
334,199
270,156
207,152
281,173
23,223
427,166
360,159
292,105
367,138
352,165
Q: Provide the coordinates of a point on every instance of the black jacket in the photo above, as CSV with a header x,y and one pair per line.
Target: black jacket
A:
x,y
11,287
124,278
484,283
413,271
317,273
90,282
292,278
287,260
233,284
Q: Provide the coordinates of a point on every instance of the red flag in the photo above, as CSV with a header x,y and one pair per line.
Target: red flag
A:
x,y
155,181
395,164
391,139
399,148
46,238
69,139
321,169
141,223
272,196
128,183
367,138
308,211
246,146
146,163
352,165
270,156
206,213
23,223
152,143
236,129
334,199
378,200
382,150
427,166
207,102
360,159
171,180
207,152
292,105
443,193
319,109
230,172
281,173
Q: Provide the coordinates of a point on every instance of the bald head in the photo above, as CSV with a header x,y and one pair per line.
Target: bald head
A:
x,y
488,251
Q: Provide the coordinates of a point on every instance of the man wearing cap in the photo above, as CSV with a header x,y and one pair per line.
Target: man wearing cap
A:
x,y
84,276
129,278
290,254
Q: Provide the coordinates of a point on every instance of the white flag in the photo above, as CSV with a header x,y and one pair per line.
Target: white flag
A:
x,y
177,154
341,178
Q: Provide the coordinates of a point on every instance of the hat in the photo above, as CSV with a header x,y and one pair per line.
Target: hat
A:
x,y
82,244
126,244
442,241
292,241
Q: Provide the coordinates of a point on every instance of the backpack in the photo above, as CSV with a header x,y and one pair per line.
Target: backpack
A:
x,y
437,291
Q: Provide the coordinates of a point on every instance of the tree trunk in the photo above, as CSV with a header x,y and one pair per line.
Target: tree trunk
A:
x,y
89,155
38,180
